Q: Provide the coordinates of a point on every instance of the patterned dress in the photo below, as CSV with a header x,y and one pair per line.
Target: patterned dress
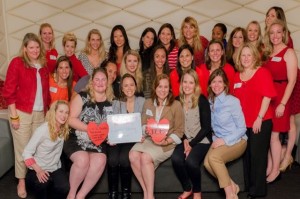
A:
x,y
91,112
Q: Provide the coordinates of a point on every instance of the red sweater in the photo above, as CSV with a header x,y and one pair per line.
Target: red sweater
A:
x,y
251,93
20,85
51,57
77,67
229,71
175,83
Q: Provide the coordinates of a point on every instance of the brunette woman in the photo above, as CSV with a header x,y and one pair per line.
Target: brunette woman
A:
x,y
118,155
215,58
219,33
167,37
61,81
145,157
119,45
147,41
158,65
229,132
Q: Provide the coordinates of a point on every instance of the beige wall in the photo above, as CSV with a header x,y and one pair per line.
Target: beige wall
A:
x,y
18,17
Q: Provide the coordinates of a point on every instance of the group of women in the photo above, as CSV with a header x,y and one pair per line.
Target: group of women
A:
x,y
217,99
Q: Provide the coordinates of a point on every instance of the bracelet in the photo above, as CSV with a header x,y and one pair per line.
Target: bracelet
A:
x,y
14,118
282,104
260,117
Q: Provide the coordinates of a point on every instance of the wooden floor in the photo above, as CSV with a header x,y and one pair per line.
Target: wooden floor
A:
x,y
287,188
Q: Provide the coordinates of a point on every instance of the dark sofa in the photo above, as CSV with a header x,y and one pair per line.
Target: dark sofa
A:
x,y
166,180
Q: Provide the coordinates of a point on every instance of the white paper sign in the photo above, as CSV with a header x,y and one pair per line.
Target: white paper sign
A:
x,y
124,128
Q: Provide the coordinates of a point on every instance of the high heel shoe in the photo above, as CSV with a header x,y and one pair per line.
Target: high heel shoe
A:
x,y
285,164
188,194
276,179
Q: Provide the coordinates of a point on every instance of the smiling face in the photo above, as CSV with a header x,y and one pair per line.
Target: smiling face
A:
x,y
162,90
237,39
247,58
270,17
119,38
188,31
217,85
165,36
95,41
63,71
160,58
253,32
185,59
69,48
215,52
148,40
217,33
61,114
131,64
188,84
32,50
46,35
276,34
99,82
128,87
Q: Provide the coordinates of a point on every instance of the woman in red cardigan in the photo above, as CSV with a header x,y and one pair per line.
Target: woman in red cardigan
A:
x,y
26,90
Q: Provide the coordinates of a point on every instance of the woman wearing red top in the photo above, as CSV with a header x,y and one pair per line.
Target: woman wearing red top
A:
x,y
215,58
190,34
254,87
69,43
272,14
185,62
282,63
47,37
26,91
166,37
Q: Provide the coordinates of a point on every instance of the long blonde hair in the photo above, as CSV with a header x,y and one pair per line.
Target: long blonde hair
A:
x,y
268,44
51,119
197,45
87,49
138,73
41,58
90,90
47,25
197,90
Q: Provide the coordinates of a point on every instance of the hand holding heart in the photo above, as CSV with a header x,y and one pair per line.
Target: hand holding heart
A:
x,y
97,133
157,130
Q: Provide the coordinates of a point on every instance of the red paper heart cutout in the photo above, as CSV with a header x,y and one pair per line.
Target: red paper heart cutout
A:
x,y
157,131
97,133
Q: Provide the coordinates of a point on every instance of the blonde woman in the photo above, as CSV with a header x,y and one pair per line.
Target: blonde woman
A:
x,y
132,64
88,157
93,53
46,34
45,171
254,35
190,34
26,90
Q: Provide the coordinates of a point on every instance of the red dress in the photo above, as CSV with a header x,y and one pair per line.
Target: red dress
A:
x,y
51,57
277,66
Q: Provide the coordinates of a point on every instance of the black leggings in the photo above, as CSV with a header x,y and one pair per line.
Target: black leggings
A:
x,y
57,185
188,169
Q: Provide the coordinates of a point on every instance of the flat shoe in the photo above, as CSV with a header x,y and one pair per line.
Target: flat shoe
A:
x,y
187,196
21,193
